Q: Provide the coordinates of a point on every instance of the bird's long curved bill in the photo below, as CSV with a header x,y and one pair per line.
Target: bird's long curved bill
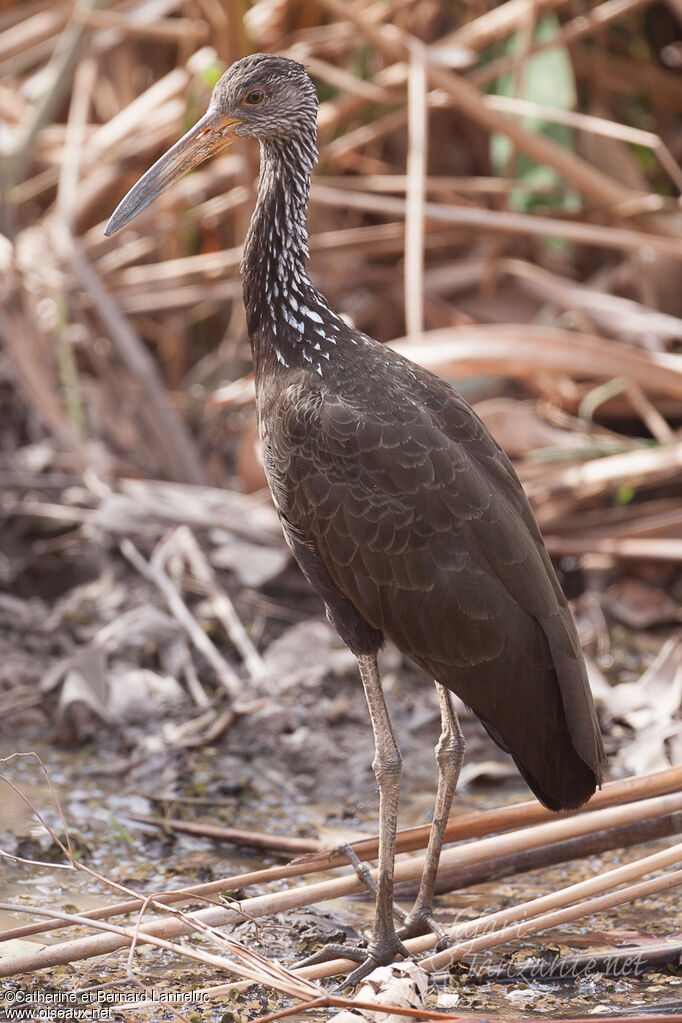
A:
x,y
211,133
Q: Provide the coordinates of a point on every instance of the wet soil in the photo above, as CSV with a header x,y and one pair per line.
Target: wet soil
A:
x,y
297,766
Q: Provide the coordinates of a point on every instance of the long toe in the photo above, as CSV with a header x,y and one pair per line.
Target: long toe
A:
x,y
332,951
374,956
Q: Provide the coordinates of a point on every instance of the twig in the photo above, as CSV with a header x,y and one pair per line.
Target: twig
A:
x,y
464,826
519,350
227,677
221,603
277,976
84,81
589,21
588,179
58,77
414,200
505,221
170,431
561,916
249,839
636,549
455,878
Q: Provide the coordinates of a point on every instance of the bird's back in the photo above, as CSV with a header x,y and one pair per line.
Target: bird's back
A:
x,y
397,499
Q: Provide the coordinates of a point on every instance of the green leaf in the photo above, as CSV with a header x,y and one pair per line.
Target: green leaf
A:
x,y
546,79
624,495
212,73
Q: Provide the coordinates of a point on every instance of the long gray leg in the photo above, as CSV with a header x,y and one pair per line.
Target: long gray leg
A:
x,y
449,756
385,944
387,765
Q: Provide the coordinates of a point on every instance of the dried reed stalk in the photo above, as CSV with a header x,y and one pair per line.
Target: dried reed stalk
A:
x,y
251,908
464,826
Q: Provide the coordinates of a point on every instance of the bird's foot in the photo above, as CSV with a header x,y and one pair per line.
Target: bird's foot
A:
x,y
419,921
369,958
381,954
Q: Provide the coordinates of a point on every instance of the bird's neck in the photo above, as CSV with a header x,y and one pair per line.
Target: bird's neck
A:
x,y
277,289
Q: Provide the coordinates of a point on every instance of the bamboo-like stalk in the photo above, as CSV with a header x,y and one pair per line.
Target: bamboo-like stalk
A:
x,y
305,895
531,917
414,204
507,222
671,879
464,826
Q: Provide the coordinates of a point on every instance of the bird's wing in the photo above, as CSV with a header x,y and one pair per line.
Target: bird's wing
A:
x,y
421,522
416,506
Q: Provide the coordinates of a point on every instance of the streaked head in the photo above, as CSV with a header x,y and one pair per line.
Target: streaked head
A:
x,y
262,96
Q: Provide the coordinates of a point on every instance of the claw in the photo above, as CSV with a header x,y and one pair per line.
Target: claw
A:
x,y
364,969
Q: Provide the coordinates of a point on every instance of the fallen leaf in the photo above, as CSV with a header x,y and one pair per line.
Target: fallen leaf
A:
x,y
305,653
138,694
253,564
639,605
401,984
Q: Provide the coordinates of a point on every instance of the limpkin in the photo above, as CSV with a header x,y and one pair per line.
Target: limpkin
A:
x,y
402,511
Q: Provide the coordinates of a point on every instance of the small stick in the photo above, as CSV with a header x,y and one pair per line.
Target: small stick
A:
x,y
76,125
517,815
251,839
171,433
417,134
637,548
288,981
222,605
194,686
163,29
507,222
547,855
227,677
649,414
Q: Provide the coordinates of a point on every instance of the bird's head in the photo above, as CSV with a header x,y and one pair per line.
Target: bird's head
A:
x,y
262,96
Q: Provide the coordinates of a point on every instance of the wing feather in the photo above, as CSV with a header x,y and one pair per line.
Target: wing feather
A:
x,y
421,522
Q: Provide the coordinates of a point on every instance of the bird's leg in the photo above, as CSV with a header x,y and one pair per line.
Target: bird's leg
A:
x,y
449,756
385,944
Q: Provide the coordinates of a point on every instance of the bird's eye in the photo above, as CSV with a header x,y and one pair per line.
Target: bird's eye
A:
x,y
254,98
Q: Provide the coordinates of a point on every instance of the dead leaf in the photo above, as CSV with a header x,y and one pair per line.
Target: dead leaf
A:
x,y
138,694
144,626
305,653
402,984
253,564
651,707
486,771
640,605
84,695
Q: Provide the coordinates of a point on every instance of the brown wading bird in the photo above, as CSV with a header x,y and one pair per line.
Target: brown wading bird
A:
x,y
403,513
